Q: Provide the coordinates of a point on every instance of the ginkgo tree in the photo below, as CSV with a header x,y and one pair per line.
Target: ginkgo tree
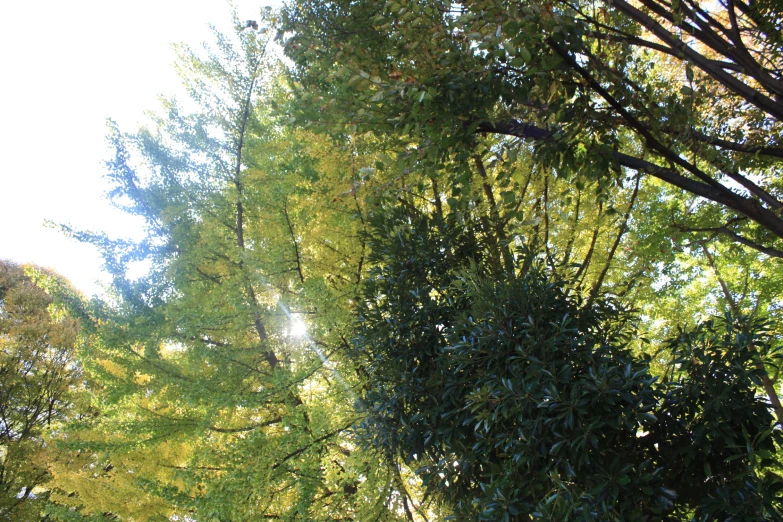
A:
x,y
212,402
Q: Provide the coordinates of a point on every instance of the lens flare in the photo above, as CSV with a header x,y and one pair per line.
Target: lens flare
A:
x,y
298,328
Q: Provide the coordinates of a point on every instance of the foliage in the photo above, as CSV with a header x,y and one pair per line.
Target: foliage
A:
x,y
596,90
683,96
529,199
212,406
513,399
38,378
589,82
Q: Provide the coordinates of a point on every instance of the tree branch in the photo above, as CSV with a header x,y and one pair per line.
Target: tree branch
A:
x,y
494,213
294,240
620,233
752,96
635,40
725,230
745,206
304,448
246,428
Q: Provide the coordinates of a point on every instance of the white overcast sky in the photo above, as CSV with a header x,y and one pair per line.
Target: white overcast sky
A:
x,y
65,67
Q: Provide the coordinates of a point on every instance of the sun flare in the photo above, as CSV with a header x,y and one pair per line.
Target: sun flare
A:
x,y
297,328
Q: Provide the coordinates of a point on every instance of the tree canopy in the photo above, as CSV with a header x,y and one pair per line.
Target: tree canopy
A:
x,y
420,260
39,376
597,86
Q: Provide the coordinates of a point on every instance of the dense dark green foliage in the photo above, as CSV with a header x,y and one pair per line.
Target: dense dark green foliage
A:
x,y
715,436
514,399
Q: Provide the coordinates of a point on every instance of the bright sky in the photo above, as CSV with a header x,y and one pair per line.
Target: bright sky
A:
x,y
66,68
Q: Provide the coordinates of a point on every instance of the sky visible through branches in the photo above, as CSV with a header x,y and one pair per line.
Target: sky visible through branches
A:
x,y
69,67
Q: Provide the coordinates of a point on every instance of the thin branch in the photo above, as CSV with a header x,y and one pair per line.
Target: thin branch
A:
x,y
583,267
304,448
436,198
362,239
570,244
501,239
737,146
724,287
746,206
547,251
620,233
294,240
635,40
246,428
725,230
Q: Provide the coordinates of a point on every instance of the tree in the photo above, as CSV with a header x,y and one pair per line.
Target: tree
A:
x,y
497,201
514,400
602,93
38,378
599,87
212,405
